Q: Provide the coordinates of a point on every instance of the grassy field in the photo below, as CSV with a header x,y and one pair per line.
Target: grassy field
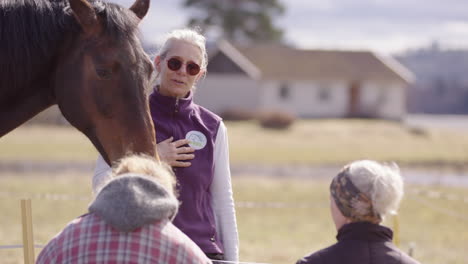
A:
x,y
338,141
306,142
279,220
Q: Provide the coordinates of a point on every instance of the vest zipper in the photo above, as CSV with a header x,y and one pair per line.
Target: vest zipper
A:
x,y
176,110
174,114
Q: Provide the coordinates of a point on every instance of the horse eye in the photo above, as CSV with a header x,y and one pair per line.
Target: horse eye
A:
x,y
105,74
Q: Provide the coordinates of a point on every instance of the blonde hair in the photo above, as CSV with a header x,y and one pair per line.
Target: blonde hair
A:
x,y
381,183
146,165
191,36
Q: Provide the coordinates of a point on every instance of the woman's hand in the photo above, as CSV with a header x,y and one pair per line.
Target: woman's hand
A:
x,y
173,152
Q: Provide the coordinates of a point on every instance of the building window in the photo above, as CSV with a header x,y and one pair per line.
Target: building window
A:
x,y
284,91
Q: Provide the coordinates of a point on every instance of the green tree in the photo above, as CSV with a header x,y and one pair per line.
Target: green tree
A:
x,y
238,20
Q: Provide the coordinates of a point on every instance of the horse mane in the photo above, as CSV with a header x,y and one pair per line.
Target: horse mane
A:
x,y
31,32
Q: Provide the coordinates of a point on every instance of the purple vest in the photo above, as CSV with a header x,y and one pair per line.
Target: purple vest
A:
x,y
180,119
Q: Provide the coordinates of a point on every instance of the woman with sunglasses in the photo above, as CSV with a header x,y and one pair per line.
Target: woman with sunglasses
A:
x,y
194,142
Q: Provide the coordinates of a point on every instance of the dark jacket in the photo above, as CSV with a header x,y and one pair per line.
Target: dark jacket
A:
x,y
361,243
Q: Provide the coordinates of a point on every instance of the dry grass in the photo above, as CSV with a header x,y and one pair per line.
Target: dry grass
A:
x,y
46,143
437,227
340,141
306,142
279,220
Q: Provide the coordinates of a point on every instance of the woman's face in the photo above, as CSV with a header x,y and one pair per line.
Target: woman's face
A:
x,y
338,218
178,83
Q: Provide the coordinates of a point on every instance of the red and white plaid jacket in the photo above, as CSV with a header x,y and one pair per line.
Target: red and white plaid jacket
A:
x,y
89,239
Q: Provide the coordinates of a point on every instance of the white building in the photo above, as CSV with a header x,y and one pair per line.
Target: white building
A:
x,y
307,83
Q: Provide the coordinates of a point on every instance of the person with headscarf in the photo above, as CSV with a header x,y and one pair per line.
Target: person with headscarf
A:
x,y
361,195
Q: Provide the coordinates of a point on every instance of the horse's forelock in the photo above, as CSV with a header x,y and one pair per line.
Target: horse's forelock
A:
x,y
120,23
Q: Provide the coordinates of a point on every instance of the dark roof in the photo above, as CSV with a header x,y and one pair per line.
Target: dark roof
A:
x,y
281,62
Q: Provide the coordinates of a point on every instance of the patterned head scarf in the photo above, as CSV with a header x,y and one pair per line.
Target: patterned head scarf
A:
x,y
352,203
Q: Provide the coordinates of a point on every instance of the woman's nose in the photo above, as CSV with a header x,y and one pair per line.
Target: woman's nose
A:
x,y
183,69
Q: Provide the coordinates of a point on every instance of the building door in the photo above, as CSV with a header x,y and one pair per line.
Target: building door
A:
x,y
354,99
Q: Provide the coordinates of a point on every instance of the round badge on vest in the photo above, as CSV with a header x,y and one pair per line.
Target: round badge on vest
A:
x,y
197,139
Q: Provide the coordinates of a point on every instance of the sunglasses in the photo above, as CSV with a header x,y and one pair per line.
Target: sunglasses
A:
x,y
175,64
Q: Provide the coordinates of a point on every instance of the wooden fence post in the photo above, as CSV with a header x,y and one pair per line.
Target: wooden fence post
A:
x,y
28,240
396,230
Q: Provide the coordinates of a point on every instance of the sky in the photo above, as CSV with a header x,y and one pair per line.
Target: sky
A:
x,y
384,26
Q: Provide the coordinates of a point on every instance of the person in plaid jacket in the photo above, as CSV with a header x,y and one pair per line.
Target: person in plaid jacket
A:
x,y
128,222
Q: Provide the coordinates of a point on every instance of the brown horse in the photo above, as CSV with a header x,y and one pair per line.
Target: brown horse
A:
x,y
84,56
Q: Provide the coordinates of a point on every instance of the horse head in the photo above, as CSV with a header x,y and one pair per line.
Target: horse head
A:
x,y
103,77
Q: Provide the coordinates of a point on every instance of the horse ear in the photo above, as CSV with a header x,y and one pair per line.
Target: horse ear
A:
x,y
140,8
85,15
